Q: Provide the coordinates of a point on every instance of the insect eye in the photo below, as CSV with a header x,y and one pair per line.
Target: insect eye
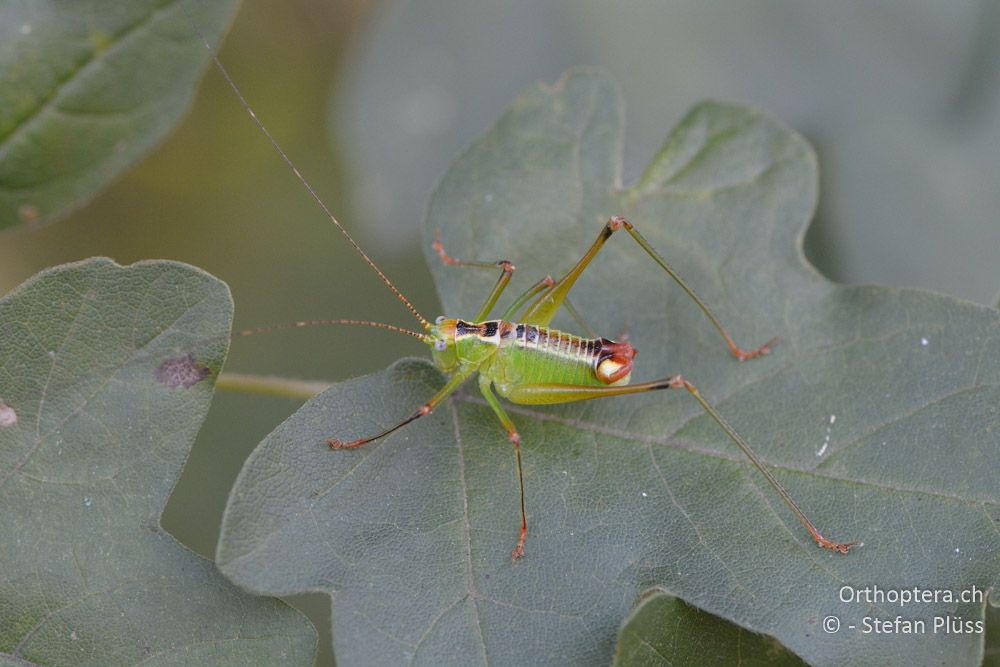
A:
x,y
440,345
439,319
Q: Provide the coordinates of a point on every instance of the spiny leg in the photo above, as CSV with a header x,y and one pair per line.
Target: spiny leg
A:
x,y
556,393
679,381
506,271
453,383
736,350
515,439
542,310
536,289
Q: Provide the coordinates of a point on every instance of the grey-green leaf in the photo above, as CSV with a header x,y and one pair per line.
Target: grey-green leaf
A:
x,y
879,411
106,373
86,89
663,630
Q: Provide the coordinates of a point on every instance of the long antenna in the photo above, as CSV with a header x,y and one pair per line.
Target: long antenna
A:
x,y
310,323
291,165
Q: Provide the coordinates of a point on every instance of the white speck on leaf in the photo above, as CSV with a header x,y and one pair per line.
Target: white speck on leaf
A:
x,y
644,494
8,416
488,198
924,342
25,29
87,501
73,636
826,439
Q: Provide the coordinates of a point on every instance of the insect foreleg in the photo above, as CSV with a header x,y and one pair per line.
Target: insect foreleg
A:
x,y
558,393
454,382
506,271
515,439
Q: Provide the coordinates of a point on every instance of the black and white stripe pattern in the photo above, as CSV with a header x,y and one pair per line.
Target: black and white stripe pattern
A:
x,y
529,336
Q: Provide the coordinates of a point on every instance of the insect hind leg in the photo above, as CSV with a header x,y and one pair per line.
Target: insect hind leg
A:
x,y
541,311
740,353
538,394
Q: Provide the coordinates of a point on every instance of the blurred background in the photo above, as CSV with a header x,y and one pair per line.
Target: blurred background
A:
x,y
372,100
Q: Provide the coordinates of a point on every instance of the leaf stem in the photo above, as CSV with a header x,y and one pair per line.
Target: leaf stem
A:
x,y
271,385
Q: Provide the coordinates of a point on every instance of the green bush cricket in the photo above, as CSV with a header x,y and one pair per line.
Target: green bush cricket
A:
x,y
519,357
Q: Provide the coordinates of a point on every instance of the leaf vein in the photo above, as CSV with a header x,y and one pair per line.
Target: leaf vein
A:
x,y
470,582
51,102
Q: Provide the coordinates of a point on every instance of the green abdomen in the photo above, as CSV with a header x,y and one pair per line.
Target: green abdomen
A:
x,y
538,355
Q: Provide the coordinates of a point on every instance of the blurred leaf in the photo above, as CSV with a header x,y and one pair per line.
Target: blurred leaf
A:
x,y
108,399
878,411
662,630
901,100
86,89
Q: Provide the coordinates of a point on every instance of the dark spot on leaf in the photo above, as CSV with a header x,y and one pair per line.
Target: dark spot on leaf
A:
x,y
8,417
181,372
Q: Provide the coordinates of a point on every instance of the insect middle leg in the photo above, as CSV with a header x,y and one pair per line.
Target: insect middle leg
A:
x,y
536,394
507,270
543,309
515,439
